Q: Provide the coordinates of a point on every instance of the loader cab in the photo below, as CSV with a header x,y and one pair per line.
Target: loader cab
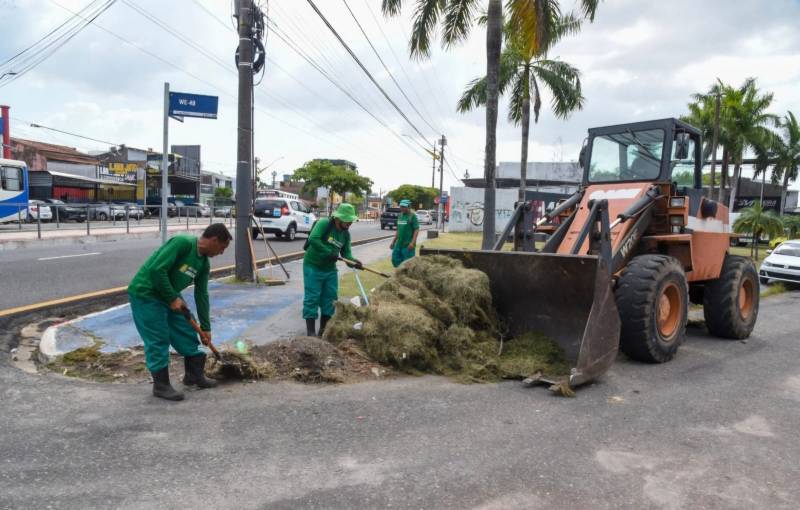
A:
x,y
665,151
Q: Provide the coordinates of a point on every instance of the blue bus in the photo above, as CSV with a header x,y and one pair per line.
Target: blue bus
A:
x,y
13,190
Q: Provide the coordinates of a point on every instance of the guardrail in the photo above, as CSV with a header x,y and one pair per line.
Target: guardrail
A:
x,y
89,216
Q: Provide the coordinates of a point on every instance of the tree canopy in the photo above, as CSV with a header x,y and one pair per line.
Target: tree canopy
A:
x,y
338,179
416,194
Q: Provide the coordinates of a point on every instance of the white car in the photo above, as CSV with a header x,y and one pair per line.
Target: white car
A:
x,y
283,217
783,263
38,210
424,217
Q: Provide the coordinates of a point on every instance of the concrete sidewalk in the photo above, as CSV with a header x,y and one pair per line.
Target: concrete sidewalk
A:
x,y
10,240
239,311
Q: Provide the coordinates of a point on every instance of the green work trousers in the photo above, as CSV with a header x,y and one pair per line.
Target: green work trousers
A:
x,y
320,291
402,253
159,328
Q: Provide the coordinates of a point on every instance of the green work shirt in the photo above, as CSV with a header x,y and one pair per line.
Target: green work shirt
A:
x,y
321,250
407,224
172,268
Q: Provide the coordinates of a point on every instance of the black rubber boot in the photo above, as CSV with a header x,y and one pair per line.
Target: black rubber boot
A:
x,y
322,323
162,388
195,372
311,327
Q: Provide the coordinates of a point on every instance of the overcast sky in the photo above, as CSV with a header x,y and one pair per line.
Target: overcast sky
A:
x,y
639,60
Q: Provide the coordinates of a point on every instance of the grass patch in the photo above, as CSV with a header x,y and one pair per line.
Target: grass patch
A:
x,y
455,240
347,281
775,288
744,251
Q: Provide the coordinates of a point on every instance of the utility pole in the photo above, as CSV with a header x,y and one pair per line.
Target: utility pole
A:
x,y
6,127
274,179
433,173
244,151
440,215
162,217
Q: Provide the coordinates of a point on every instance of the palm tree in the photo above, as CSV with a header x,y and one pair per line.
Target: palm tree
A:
x,y
754,220
521,70
786,153
704,115
531,19
744,117
792,225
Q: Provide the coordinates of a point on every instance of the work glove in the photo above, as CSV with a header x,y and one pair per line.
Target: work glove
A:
x,y
356,264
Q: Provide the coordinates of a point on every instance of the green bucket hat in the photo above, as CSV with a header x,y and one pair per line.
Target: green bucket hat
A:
x,y
346,213
405,202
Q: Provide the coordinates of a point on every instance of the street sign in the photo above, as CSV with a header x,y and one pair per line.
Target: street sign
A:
x,y
192,105
444,199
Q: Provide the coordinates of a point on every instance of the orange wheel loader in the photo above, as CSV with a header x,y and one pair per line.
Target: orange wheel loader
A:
x,y
624,256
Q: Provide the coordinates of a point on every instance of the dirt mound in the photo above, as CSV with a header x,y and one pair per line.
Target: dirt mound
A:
x,y
313,360
436,316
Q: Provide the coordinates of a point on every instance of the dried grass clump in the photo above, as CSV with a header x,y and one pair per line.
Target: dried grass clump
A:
x,y
436,316
237,366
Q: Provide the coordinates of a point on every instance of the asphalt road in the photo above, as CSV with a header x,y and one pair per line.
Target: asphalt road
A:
x,y
31,275
716,428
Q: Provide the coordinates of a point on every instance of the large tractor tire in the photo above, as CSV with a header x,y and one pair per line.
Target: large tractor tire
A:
x,y
730,303
652,298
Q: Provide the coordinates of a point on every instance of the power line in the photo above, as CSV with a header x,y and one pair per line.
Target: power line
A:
x,y
35,125
293,46
400,65
306,57
363,68
48,49
388,71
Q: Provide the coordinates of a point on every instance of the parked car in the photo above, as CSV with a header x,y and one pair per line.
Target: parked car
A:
x,y
389,217
39,211
66,212
282,217
223,211
155,210
782,263
103,211
135,211
424,217
185,209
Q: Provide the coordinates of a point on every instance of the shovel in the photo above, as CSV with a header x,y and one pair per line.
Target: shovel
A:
x,y
353,263
203,337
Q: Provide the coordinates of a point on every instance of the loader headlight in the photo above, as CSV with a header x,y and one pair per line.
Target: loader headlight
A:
x,y
677,201
676,220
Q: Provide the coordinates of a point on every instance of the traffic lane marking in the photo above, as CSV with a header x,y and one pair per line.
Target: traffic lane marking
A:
x,y
70,256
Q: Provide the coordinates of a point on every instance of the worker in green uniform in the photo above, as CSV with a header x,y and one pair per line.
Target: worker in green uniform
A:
x,y
404,244
157,306
329,239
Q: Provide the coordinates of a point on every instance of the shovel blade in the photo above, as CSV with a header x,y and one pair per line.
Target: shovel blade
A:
x,y
568,298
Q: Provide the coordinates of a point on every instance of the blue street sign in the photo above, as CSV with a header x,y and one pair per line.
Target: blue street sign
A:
x,y
444,199
192,105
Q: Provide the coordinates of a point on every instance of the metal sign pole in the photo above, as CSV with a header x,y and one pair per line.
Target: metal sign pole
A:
x,y
164,167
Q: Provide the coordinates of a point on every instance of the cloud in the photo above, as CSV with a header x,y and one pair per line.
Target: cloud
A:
x,y
638,60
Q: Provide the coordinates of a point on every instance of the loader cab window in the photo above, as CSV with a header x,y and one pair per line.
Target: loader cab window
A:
x,y
683,168
627,156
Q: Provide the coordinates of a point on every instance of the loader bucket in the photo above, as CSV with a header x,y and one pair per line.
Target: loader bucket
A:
x,y
568,298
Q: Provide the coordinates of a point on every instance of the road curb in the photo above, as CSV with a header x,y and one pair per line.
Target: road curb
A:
x,y
98,295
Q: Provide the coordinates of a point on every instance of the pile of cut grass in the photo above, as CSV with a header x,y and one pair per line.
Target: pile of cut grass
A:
x,y
436,316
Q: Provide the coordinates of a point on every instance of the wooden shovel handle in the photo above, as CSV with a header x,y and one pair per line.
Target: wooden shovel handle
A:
x,y
203,337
